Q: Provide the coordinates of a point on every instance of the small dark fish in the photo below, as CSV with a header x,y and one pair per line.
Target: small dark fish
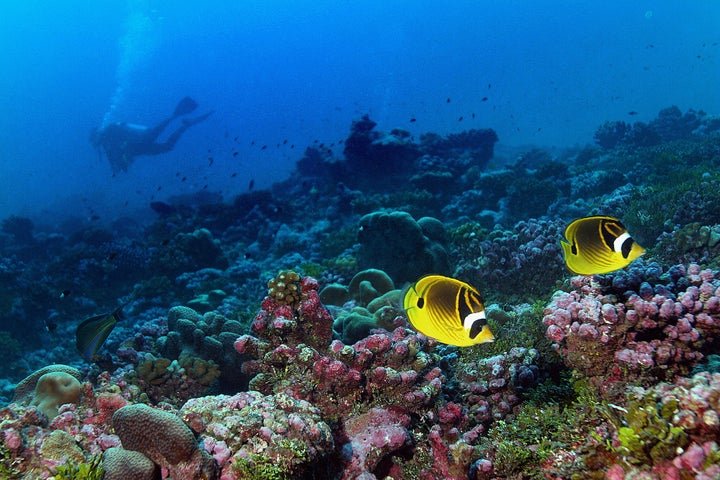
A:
x,y
484,99
460,119
413,120
252,143
285,142
251,184
91,334
94,217
264,147
159,188
65,293
210,161
247,255
448,100
235,139
632,112
292,146
205,187
183,179
165,242
235,154
489,86
234,175
473,115
112,256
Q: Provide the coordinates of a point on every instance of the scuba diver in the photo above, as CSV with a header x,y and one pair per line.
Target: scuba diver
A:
x,y
124,141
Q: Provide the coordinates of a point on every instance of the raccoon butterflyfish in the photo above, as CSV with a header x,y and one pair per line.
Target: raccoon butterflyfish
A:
x,y
92,332
447,310
598,244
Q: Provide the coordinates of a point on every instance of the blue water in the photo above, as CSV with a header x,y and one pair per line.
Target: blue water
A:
x,y
303,70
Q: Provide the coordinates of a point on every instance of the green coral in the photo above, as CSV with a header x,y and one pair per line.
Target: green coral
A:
x,y
91,470
260,467
8,463
310,269
522,444
649,436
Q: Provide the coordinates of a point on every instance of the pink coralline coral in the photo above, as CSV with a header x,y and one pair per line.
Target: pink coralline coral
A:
x,y
388,368
247,431
491,387
371,437
371,391
624,327
691,406
307,322
25,431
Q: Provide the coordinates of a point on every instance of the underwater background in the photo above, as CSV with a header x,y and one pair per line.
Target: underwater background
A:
x,y
242,292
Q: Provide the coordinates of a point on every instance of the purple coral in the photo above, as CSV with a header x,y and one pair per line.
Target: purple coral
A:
x,y
620,328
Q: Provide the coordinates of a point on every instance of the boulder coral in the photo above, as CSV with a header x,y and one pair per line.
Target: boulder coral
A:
x,y
50,387
400,246
174,449
121,464
209,337
54,389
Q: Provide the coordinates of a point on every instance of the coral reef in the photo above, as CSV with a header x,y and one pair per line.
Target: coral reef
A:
x,y
671,430
251,435
208,337
512,264
121,464
175,450
400,246
332,382
368,151
54,389
375,302
640,324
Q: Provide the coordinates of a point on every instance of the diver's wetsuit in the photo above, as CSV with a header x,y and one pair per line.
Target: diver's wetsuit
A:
x,y
123,141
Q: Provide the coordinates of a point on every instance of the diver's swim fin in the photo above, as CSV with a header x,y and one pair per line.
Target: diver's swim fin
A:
x,y
185,106
192,121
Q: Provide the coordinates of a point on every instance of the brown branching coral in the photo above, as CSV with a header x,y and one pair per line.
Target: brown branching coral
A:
x,y
285,288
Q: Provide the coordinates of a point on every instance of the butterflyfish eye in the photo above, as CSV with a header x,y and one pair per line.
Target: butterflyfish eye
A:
x,y
627,247
420,302
573,249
